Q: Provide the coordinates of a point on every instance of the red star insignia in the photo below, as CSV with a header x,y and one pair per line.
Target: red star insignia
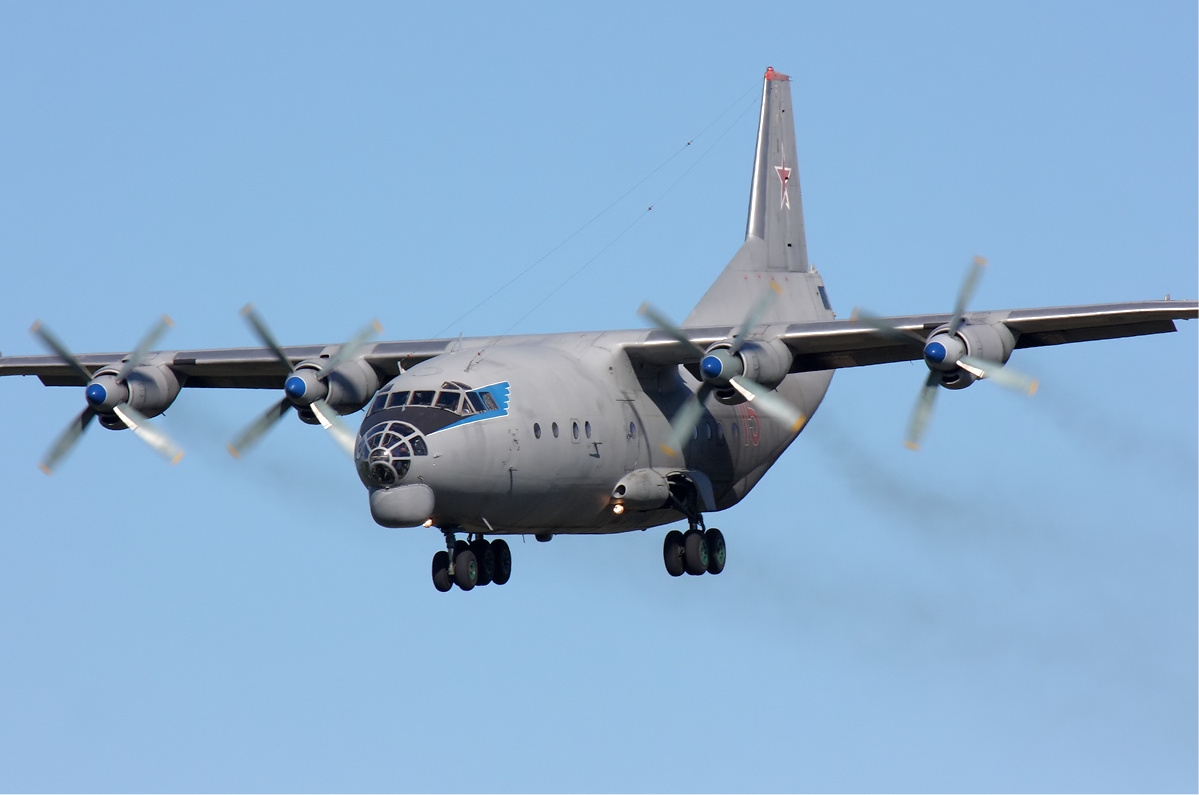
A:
x,y
784,175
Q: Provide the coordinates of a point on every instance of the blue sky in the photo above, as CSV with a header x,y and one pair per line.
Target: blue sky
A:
x,y
1013,608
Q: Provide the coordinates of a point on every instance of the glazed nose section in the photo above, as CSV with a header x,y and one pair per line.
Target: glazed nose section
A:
x,y
385,452
385,471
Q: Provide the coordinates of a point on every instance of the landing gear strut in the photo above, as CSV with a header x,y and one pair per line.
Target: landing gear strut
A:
x,y
470,563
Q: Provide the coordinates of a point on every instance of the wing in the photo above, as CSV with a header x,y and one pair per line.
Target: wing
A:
x,y
816,345
833,344
229,368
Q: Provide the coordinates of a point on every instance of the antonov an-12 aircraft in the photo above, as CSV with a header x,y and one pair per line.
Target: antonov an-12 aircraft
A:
x,y
599,431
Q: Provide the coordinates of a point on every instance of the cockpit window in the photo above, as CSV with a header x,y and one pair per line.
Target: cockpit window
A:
x,y
453,396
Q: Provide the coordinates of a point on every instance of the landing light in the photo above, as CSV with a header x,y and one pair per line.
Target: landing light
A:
x,y
618,509
428,523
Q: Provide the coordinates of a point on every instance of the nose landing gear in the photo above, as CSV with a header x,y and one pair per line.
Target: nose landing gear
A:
x,y
467,564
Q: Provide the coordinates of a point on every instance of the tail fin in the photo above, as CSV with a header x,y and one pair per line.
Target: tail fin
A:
x,y
775,244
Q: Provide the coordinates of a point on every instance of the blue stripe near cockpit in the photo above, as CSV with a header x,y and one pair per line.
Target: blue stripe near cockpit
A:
x,y
499,394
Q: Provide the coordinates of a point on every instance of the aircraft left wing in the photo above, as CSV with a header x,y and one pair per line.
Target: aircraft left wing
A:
x,y
834,344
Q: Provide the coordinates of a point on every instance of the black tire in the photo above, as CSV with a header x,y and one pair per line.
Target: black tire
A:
x,y
672,553
486,559
466,570
714,541
695,552
503,561
441,571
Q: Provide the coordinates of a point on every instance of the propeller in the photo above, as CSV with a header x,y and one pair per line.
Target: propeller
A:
x,y
721,368
303,388
107,393
944,352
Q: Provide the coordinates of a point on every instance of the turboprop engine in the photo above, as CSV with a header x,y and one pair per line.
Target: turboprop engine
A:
x,y
736,370
121,396
964,357
957,354
149,389
340,382
765,363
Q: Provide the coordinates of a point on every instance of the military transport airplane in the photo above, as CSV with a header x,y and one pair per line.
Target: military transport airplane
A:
x,y
592,432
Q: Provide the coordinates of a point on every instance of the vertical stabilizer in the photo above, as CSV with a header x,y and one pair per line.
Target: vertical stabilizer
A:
x,y
775,203
775,247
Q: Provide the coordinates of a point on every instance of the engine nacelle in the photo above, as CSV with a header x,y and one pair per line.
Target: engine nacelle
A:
x,y
352,385
345,390
766,362
991,341
150,389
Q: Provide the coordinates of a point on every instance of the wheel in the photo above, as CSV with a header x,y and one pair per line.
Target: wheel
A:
x,y
441,571
714,541
695,552
466,570
503,561
486,560
672,553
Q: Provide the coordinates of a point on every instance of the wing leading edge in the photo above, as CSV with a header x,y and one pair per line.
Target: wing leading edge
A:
x,y
815,345
835,344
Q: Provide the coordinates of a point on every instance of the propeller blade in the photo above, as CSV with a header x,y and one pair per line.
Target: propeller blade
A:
x,y
662,322
1001,375
158,441
330,422
264,334
147,342
966,293
684,422
258,427
894,332
66,440
923,410
52,342
770,402
350,349
755,316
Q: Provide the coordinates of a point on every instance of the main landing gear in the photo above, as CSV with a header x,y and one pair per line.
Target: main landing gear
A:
x,y
694,552
467,564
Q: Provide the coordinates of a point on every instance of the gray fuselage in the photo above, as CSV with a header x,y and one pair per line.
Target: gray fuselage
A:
x,y
564,420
